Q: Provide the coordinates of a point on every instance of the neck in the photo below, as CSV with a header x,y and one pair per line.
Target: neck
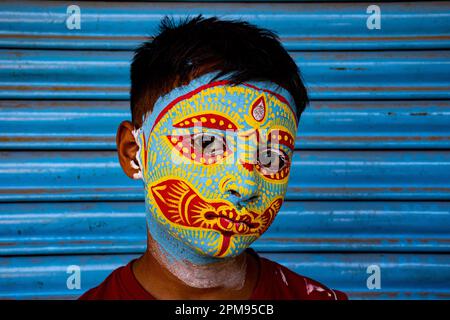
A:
x,y
157,270
228,273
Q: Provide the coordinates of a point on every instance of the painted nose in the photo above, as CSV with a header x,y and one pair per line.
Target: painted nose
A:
x,y
244,193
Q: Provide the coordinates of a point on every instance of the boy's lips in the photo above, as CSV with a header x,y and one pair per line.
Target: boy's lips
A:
x,y
230,221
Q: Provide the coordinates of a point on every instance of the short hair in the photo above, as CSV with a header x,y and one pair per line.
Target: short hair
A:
x,y
195,46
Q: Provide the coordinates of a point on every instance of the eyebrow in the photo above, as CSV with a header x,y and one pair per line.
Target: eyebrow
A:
x,y
207,120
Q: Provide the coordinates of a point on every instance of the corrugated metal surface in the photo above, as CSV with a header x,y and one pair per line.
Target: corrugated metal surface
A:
x,y
321,175
304,26
329,75
93,227
45,276
78,124
370,179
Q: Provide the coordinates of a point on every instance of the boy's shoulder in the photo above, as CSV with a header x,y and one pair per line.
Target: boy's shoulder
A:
x,y
278,282
121,284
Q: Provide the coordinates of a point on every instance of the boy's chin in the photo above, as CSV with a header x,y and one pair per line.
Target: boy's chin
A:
x,y
201,245
217,254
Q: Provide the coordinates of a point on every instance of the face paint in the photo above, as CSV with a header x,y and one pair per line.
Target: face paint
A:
x,y
215,161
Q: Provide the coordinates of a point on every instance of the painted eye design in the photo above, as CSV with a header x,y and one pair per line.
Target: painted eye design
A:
x,y
273,164
209,144
203,148
281,137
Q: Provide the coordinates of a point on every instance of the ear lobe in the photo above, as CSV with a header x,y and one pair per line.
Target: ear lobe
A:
x,y
127,149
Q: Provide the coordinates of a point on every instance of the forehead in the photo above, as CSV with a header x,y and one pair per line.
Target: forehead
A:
x,y
224,106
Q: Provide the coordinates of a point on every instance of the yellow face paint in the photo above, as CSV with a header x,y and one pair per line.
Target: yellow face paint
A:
x,y
216,160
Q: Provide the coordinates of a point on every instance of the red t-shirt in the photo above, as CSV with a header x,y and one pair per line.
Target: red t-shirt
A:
x,y
275,282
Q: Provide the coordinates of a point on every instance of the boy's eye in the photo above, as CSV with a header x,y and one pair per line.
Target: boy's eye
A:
x,y
204,148
273,163
271,160
208,144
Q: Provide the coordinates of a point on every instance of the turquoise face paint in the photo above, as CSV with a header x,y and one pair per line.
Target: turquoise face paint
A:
x,y
215,161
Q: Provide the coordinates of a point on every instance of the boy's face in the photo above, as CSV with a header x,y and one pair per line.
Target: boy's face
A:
x,y
215,161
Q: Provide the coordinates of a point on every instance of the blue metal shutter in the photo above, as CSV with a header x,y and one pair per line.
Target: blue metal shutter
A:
x,y
370,183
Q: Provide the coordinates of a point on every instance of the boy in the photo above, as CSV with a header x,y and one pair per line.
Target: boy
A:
x,y
215,107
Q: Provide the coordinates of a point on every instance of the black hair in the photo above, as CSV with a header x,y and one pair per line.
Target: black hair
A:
x,y
195,46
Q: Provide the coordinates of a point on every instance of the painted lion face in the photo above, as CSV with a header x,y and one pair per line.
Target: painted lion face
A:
x,y
216,159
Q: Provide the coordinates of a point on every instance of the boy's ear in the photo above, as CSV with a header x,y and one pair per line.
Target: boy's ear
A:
x,y
127,149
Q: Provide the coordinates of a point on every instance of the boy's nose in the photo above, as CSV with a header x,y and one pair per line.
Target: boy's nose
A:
x,y
244,193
